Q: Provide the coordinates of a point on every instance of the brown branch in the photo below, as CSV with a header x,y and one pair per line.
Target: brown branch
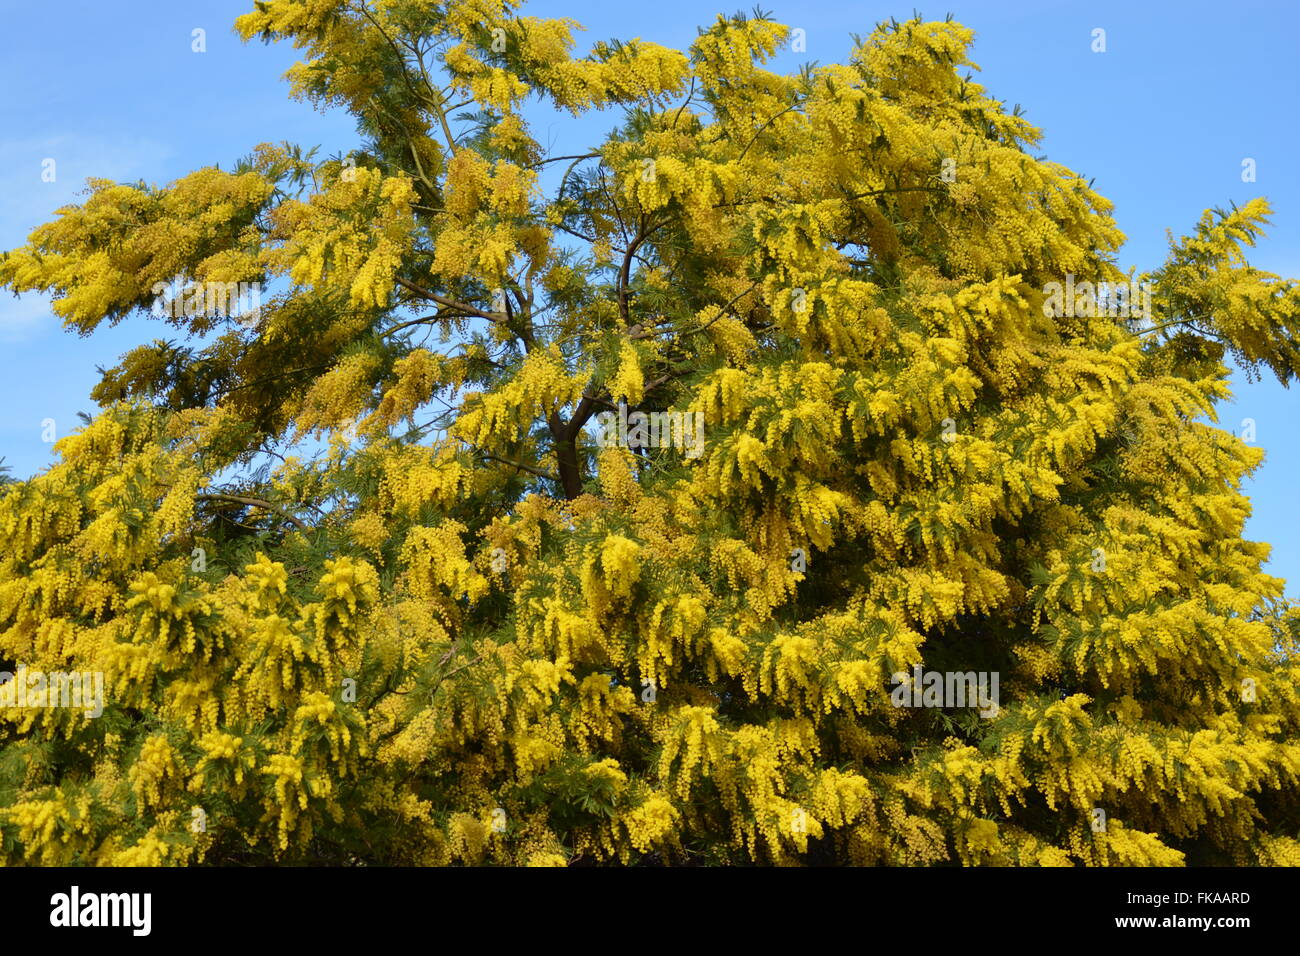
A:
x,y
624,273
649,332
557,159
255,503
454,670
690,95
758,132
423,320
449,303
874,192
521,466
457,670
506,461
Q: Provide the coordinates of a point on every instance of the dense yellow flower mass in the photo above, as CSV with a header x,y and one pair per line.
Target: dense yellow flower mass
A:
x,y
366,583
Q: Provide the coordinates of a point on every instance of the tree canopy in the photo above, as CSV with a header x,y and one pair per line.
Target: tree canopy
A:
x,y
416,563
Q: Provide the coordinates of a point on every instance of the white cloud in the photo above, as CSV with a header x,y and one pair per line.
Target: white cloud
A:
x,y
25,316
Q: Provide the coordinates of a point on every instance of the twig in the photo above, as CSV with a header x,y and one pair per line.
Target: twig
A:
x,y
449,303
255,503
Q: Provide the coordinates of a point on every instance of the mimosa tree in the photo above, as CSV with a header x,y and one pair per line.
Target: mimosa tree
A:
x,y
419,561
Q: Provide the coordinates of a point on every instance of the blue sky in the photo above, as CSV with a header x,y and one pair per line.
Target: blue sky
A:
x,y
1162,120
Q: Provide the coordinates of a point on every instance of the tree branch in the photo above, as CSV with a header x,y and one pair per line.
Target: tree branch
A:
x,y
449,303
255,503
